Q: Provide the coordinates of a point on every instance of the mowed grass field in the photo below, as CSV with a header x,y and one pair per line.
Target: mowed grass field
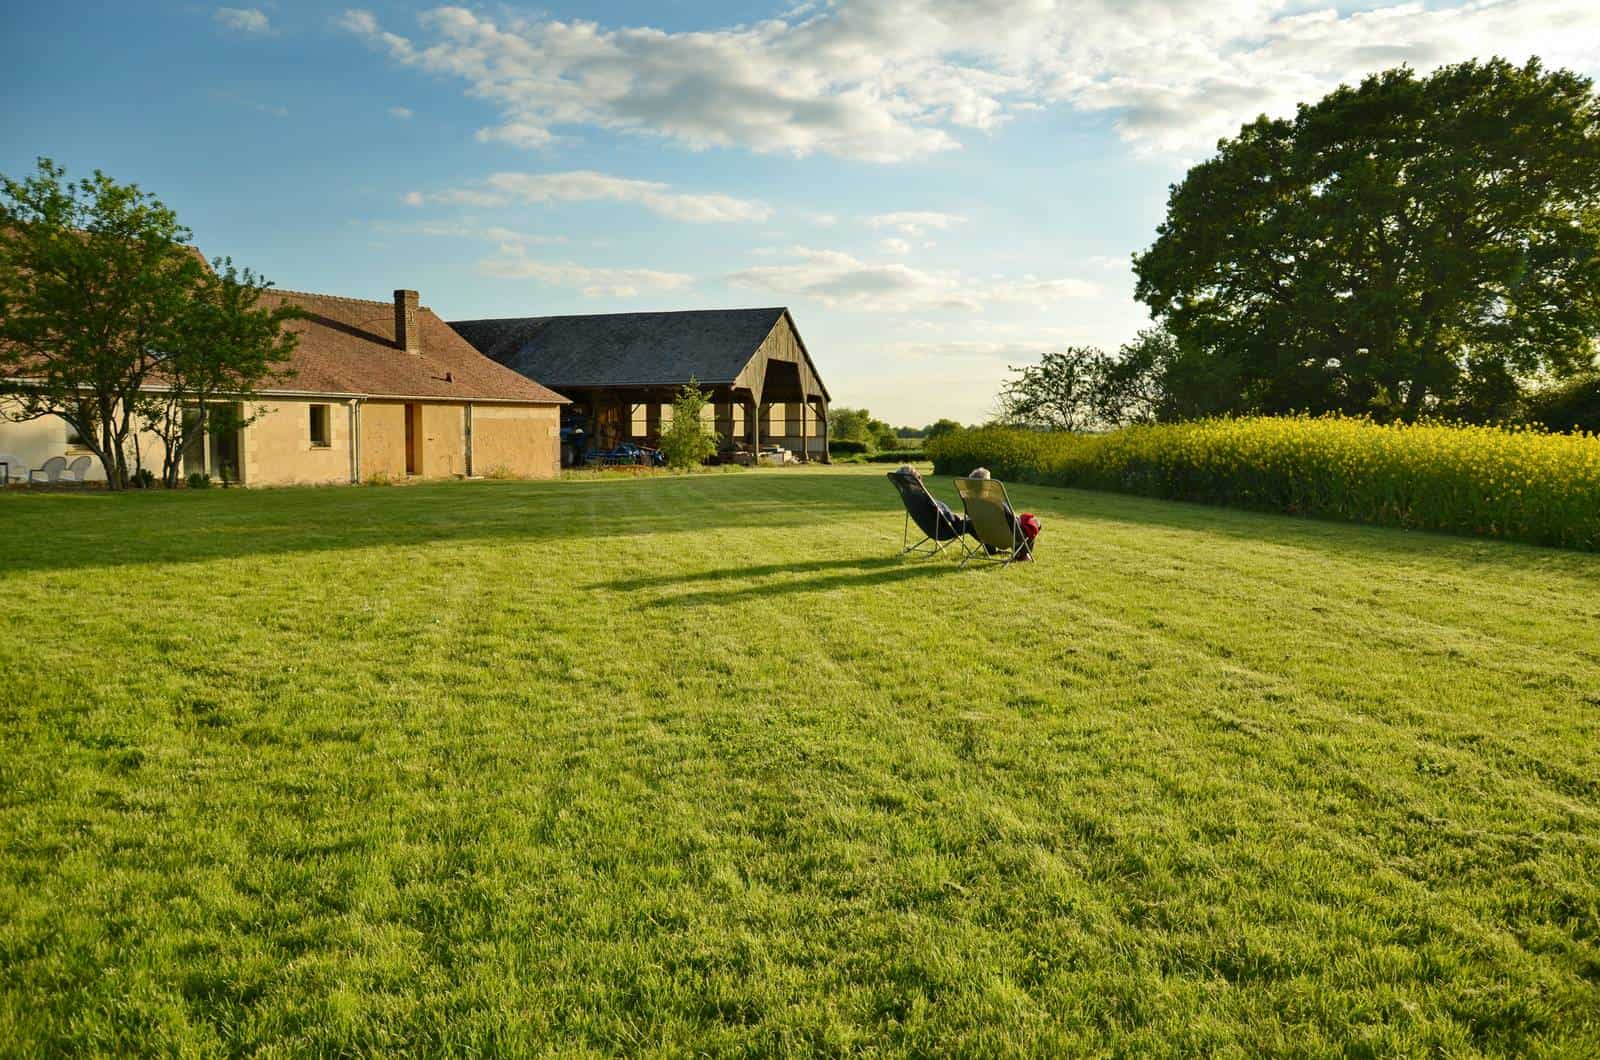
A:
x,y
695,765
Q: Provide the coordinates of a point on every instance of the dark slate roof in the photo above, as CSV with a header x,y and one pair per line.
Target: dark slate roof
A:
x,y
625,349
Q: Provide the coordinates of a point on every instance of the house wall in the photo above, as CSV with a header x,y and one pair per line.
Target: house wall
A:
x,y
524,441
444,441
383,439
277,450
27,445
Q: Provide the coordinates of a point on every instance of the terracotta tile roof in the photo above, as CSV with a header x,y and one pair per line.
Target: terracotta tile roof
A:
x,y
347,347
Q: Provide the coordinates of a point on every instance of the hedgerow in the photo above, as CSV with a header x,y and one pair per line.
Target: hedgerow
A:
x,y
1515,483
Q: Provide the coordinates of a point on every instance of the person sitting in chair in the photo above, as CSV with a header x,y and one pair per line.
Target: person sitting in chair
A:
x,y
1027,522
960,524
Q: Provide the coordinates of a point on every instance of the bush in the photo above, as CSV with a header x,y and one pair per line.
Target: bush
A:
x,y
143,479
1572,406
845,447
687,443
898,456
1520,484
199,480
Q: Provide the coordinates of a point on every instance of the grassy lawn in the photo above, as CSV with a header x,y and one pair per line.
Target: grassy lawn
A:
x,y
692,764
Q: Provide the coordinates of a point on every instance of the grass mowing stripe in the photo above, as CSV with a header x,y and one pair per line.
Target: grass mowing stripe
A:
x,y
690,764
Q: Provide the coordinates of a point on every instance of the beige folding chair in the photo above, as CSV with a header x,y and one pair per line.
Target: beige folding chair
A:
x,y
994,521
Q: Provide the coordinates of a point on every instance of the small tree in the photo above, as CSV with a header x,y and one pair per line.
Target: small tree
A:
x,y
1062,392
94,278
686,442
883,436
938,428
226,346
849,425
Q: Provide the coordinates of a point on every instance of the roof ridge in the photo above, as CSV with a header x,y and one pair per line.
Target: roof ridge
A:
x,y
628,313
337,297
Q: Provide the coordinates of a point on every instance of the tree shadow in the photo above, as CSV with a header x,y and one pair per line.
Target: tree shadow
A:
x,y
100,530
1322,536
95,529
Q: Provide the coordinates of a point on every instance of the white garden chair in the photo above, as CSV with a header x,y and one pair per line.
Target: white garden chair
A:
x,y
50,473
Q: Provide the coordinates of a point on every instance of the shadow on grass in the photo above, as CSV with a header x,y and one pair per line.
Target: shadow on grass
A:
x,y
110,530
734,583
62,531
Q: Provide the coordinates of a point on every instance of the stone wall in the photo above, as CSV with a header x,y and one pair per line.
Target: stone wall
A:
x,y
517,440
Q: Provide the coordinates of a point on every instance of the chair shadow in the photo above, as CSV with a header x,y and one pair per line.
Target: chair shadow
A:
x,y
715,587
741,573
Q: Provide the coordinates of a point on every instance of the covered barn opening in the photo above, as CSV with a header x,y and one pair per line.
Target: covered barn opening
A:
x,y
622,372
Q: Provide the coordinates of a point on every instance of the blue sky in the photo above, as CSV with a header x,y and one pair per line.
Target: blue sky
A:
x,y
937,189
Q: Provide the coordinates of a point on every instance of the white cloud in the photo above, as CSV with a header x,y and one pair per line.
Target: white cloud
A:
x,y
889,80
914,222
403,113
242,20
588,186
896,246
508,239
593,282
836,278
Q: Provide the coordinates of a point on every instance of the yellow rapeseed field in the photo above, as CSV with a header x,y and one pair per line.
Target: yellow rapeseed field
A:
x,y
1516,483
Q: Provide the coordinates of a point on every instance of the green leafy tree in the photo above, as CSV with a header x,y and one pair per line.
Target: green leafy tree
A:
x,y
686,442
849,425
1409,246
1157,378
1061,392
859,425
1570,406
100,301
940,427
94,280
227,347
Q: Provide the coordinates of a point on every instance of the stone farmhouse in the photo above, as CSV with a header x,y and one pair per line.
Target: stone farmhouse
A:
x,y
373,389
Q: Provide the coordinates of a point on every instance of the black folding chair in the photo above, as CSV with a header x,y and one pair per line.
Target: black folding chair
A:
x,y
938,524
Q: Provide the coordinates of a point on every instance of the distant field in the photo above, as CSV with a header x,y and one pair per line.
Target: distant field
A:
x,y
694,764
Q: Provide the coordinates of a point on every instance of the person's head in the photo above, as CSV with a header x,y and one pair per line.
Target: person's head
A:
x,y
979,472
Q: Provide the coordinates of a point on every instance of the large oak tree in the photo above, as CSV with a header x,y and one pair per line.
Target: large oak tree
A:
x,y
1414,245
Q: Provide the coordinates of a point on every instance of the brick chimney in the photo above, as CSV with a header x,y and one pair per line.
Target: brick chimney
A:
x,y
407,335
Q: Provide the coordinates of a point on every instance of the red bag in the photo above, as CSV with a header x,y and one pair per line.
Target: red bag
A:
x,y
1030,525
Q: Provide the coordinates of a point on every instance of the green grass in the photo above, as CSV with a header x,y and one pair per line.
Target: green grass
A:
x,y
692,764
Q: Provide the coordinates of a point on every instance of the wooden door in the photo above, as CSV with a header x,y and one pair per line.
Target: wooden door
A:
x,y
413,439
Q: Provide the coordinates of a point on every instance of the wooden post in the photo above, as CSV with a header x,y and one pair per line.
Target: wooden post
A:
x,y
724,424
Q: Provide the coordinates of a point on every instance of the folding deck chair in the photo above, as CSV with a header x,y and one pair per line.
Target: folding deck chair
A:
x,y
936,522
994,521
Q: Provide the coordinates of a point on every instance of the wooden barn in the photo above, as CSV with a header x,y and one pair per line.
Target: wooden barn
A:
x,y
622,370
